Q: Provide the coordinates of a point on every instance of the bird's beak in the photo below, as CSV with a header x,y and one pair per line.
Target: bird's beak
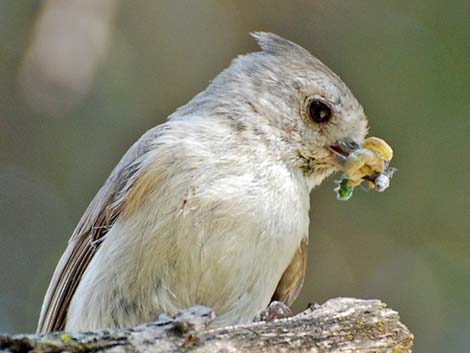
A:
x,y
342,149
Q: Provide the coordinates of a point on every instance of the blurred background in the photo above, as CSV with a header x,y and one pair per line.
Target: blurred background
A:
x,y
80,81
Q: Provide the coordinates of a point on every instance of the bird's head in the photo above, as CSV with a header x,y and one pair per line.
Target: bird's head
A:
x,y
293,102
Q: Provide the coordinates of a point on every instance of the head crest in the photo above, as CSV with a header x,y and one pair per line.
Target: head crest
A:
x,y
273,44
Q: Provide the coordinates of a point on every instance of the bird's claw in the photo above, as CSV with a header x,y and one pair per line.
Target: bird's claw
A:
x,y
275,310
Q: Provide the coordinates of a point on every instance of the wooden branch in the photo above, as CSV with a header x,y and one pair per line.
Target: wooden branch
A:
x,y
339,325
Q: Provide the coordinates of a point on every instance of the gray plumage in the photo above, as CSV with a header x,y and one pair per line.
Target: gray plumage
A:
x,y
211,207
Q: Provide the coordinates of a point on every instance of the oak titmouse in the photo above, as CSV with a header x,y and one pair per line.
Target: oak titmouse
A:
x,y
212,207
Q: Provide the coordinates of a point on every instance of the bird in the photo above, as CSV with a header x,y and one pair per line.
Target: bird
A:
x,y
212,206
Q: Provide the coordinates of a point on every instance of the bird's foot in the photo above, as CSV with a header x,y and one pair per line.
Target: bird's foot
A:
x,y
275,310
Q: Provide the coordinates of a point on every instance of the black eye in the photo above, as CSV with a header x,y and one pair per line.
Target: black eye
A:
x,y
319,111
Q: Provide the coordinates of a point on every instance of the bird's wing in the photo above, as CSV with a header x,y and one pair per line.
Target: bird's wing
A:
x,y
98,218
292,280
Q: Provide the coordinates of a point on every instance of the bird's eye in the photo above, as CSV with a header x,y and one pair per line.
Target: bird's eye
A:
x,y
319,111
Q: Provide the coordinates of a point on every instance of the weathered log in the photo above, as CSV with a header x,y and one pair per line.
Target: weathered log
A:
x,y
339,325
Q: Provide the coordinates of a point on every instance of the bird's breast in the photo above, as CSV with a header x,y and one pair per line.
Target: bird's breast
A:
x,y
237,235
220,239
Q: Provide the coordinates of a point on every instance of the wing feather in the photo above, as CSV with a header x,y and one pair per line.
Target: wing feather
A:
x,y
89,233
292,280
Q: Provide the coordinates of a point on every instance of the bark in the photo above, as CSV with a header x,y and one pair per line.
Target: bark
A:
x,y
339,325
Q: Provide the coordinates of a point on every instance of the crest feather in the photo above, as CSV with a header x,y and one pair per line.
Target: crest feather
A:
x,y
273,44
